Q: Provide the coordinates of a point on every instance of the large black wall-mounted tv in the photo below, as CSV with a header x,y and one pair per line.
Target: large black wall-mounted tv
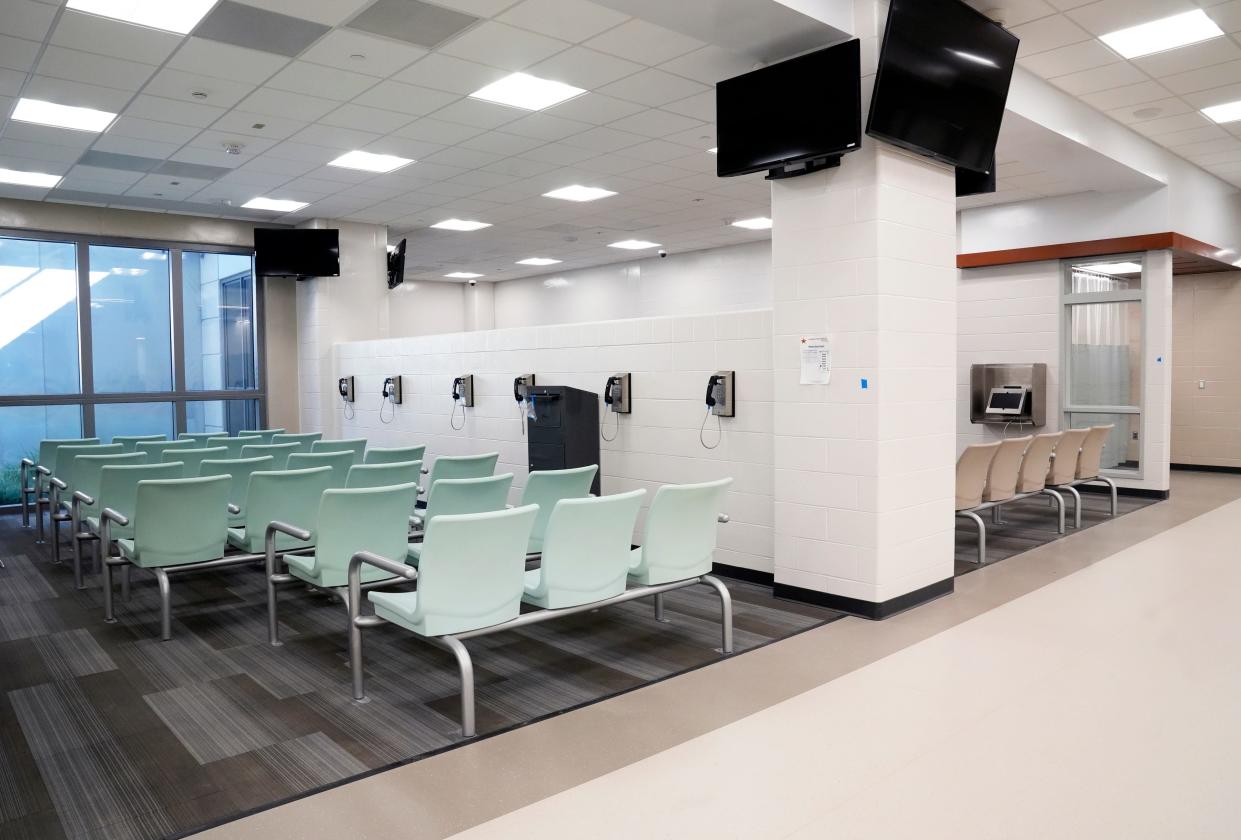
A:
x,y
943,79
297,253
396,265
793,117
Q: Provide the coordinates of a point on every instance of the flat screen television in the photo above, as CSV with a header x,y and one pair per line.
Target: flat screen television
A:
x,y
297,253
943,78
792,117
970,182
396,266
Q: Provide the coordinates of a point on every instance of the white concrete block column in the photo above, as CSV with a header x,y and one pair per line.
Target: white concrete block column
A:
x,y
1157,394
864,466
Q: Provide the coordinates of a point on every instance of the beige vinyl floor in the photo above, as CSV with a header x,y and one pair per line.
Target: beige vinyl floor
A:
x,y
1086,689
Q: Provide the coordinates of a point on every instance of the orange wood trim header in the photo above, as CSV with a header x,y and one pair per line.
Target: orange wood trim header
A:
x,y
1092,248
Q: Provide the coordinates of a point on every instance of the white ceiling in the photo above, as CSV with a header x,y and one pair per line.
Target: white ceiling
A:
x,y
642,130
1059,42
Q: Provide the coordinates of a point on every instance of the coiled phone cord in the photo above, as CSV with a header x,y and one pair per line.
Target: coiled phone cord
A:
x,y
392,417
616,434
719,427
350,413
452,418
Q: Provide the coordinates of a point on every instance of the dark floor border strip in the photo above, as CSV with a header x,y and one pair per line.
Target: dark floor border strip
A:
x,y
1136,492
866,609
1207,468
744,574
249,812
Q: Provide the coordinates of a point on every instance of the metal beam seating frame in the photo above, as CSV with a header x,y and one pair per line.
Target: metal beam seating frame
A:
x,y
404,574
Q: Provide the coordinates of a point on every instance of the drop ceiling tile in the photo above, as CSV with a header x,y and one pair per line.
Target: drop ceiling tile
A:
x,y
177,84
159,109
1215,51
1167,125
615,164
50,136
11,82
653,87
560,154
465,158
375,120
252,180
26,19
77,184
403,147
1107,100
68,92
709,65
1193,135
213,158
406,99
132,146
1109,15
519,168
475,112
292,106
113,38
63,63
1214,96
1071,59
259,29
335,137
443,72
1227,15
1204,78
500,143
1207,147
13,148
568,20
1049,33
437,131
1218,158
412,21
244,122
329,12
588,69
700,106
238,64
216,141
1170,107
644,42
497,45
656,151
595,108
23,193
268,165
380,56
604,139
546,127
142,129
655,123
317,80
18,54
1099,78
482,179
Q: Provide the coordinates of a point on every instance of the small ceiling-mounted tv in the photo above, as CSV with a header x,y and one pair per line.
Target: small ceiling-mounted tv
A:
x,y
396,266
942,83
793,117
304,252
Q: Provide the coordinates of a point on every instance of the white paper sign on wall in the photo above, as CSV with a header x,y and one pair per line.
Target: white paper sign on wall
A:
x,y
816,360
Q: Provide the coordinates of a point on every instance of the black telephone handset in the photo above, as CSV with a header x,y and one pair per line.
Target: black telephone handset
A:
x,y
714,381
342,386
456,388
517,383
610,389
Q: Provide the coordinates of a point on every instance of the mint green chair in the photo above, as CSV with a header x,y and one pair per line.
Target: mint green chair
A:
x,y
470,580
265,434
64,483
155,449
288,496
372,519
85,499
462,466
240,470
384,475
193,457
118,490
199,438
42,467
128,441
304,440
456,496
392,456
178,522
279,452
547,487
681,529
340,462
355,445
585,551
233,444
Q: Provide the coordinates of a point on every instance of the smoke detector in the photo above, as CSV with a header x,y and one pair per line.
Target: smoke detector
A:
x,y
1147,113
231,148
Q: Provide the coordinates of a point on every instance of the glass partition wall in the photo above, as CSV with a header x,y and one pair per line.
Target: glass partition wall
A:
x,y
101,337
1103,372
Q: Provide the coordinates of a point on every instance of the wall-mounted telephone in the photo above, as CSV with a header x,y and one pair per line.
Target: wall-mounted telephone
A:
x,y
391,395
344,387
720,398
462,395
616,400
524,399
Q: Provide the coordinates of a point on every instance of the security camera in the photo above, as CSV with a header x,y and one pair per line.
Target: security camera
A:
x,y
473,282
662,254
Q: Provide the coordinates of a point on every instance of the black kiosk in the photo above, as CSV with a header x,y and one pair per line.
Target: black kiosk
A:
x,y
564,431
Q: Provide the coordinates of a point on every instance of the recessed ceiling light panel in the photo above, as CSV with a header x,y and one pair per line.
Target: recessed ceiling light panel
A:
x,y
634,244
577,192
1164,34
463,275
1225,113
465,225
757,223
521,90
538,261
180,16
1112,268
370,162
40,112
275,204
28,179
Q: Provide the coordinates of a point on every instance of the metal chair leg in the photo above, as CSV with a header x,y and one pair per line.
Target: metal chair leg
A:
x,y
659,609
982,534
165,604
1056,499
466,666
1077,505
726,612
55,538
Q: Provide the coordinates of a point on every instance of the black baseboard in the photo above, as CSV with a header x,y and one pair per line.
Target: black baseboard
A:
x,y
865,609
1211,468
1136,492
742,573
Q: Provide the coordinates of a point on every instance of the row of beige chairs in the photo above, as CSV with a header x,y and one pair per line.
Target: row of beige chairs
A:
x,y
991,475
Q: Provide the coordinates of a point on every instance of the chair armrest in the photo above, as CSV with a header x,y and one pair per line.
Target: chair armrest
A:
x,y
285,528
723,518
26,462
42,470
111,515
426,471
58,484
232,508
79,496
390,566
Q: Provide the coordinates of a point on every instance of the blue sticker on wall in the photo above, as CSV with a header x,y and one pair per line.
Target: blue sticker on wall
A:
x,y
865,384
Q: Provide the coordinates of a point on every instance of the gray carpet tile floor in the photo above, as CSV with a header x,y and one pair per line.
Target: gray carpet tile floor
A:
x,y
108,732
1030,523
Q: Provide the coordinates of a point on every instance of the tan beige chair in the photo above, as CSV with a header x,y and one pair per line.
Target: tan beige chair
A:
x,y
1034,468
1063,471
1090,459
973,467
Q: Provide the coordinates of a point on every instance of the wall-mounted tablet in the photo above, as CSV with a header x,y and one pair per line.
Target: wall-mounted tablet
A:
x,y
1007,400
